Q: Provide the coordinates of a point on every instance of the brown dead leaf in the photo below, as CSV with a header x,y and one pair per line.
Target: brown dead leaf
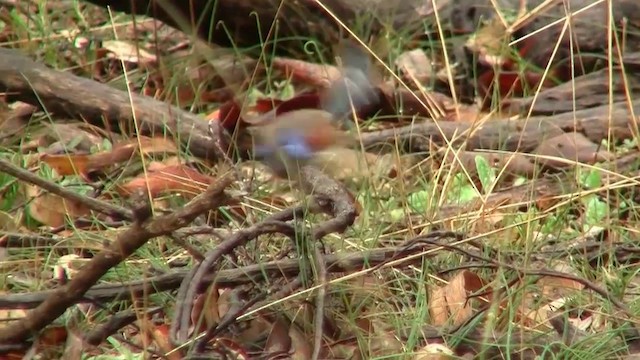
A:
x,y
570,147
450,302
83,164
52,210
128,52
306,72
300,345
434,352
160,335
14,120
180,179
415,66
205,312
279,341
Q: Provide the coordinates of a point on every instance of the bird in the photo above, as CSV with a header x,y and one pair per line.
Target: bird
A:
x,y
288,141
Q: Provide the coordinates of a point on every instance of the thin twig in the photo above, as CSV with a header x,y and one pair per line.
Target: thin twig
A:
x,y
192,282
321,278
93,204
344,262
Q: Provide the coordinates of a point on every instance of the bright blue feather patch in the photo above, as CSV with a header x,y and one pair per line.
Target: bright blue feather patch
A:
x,y
295,145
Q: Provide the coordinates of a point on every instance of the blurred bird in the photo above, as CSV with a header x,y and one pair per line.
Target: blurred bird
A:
x,y
292,139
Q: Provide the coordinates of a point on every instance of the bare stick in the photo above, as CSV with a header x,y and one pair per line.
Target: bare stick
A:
x,y
93,204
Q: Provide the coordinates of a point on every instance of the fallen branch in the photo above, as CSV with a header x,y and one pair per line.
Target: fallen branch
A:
x,y
122,247
245,23
336,263
330,197
522,135
99,104
194,280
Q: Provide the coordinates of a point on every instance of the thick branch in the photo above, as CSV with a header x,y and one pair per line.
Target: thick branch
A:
x,y
246,23
64,93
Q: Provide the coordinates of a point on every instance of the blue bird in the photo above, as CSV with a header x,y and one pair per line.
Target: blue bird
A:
x,y
292,139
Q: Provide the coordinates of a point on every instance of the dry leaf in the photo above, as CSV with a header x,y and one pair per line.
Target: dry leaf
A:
x,y
449,303
434,352
415,66
128,52
279,341
205,312
83,164
160,335
571,147
180,179
52,210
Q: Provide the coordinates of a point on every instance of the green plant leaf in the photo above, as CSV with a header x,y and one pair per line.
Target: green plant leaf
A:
x,y
419,201
462,191
592,179
596,211
486,173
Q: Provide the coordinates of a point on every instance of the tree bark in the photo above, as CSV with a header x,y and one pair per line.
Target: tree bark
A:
x,y
246,23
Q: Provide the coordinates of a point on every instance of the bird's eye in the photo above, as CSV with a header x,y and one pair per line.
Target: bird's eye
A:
x,y
295,145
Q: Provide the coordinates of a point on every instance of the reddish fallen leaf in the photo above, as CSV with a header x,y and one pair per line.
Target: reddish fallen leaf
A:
x,y
306,72
160,335
308,100
82,164
52,336
229,115
180,179
204,313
